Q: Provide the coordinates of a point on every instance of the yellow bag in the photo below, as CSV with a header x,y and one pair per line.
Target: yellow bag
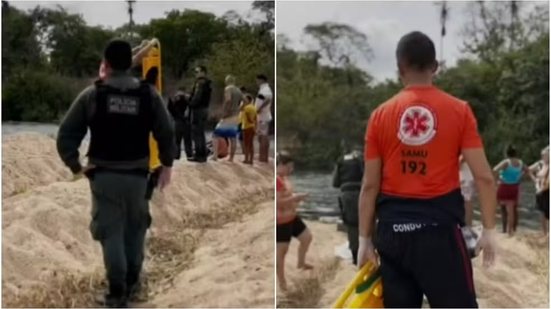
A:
x,y
153,59
364,291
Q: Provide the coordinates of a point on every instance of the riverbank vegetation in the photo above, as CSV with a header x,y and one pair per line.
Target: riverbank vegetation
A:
x,y
49,55
325,98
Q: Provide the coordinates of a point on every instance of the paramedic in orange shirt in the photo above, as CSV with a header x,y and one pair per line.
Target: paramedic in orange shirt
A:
x,y
411,186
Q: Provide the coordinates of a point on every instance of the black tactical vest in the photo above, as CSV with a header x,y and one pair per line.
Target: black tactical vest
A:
x,y
351,172
121,123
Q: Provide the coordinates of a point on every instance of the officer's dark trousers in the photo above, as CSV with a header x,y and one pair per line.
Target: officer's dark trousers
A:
x,y
198,122
120,219
349,204
183,132
353,241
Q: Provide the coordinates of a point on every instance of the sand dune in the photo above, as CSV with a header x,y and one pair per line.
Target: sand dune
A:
x,y
520,277
213,225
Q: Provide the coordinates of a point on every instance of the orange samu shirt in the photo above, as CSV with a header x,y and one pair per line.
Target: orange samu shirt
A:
x,y
418,135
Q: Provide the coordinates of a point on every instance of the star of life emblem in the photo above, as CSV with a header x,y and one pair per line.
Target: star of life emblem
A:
x,y
417,126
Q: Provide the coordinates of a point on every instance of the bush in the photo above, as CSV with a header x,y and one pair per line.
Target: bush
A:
x,y
38,96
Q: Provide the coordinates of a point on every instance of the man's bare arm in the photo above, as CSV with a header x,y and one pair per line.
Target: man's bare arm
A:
x,y
227,102
371,185
284,200
138,57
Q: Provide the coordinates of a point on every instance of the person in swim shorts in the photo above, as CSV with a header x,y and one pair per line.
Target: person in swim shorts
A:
x,y
510,171
411,187
289,224
223,130
230,110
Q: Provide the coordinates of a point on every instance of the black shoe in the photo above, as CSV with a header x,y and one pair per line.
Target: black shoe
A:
x,y
133,291
116,301
116,298
198,159
111,301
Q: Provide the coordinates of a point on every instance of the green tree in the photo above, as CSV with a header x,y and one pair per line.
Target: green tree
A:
x,y
73,48
341,44
20,48
186,37
268,9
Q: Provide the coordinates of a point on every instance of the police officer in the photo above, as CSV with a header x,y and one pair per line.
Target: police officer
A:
x,y
199,107
348,177
120,112
178,106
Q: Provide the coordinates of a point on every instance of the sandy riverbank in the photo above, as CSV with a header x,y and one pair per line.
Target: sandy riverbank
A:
x,y
520,277
212,226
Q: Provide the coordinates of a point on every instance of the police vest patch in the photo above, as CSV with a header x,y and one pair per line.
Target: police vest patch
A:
x,y
120,104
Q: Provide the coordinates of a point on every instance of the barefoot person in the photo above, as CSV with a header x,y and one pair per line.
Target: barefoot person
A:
x,y
120,112
230,110
263,105
221,135
411,186
289,224
248,123
510,172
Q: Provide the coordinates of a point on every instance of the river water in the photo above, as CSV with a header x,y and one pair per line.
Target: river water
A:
x,y
16,127
323,199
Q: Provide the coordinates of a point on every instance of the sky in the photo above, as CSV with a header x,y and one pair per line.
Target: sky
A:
x,y
114,13
383,23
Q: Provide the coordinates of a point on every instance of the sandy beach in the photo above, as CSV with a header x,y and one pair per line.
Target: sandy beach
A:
x,y
520,277
211,227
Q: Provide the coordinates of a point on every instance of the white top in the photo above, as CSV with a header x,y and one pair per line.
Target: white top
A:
x,y
266,114
540,176
465,172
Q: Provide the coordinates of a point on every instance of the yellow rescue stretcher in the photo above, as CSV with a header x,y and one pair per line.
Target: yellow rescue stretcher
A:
x,y
364,291
153,59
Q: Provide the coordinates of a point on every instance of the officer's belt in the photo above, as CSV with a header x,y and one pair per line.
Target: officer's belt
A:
x,y
134,171
351,186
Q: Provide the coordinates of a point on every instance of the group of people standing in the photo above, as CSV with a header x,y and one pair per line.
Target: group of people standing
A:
x,y
510,173
190,113
242,117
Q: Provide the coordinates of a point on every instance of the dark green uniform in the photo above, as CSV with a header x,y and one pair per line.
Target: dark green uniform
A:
x,y
348,178
120,124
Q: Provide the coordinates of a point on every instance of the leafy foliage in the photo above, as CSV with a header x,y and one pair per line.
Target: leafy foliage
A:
x,y
48,55
504,76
